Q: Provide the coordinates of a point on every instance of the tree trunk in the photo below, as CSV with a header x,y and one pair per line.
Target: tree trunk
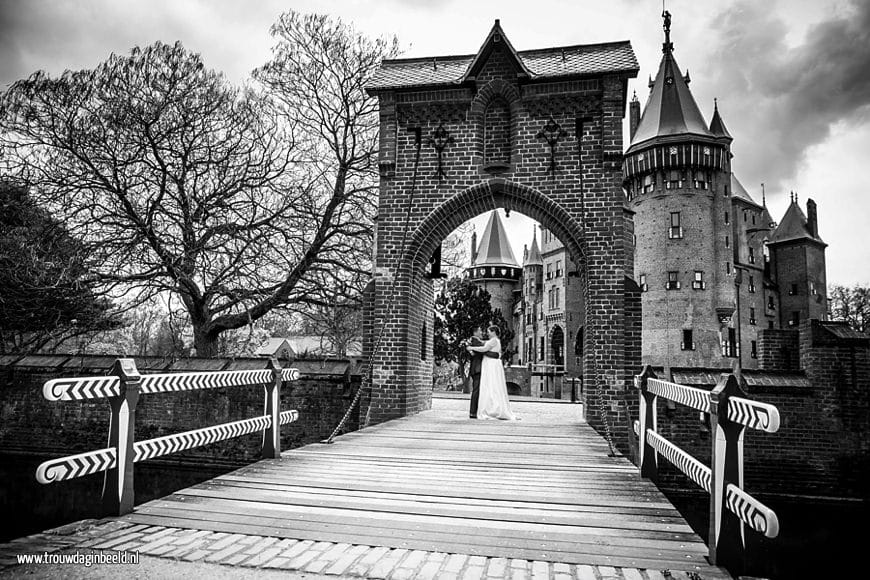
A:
x,y
204,342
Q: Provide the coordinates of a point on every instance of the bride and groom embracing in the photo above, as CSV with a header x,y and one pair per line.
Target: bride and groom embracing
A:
x,y
489,397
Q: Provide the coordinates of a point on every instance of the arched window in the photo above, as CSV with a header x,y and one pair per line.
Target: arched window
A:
x,y
497,134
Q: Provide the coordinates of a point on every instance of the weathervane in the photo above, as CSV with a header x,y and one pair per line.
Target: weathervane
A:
x,y
667,46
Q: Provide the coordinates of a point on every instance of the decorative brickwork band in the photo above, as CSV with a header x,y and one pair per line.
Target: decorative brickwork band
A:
x,y
753,414
689,396
73,466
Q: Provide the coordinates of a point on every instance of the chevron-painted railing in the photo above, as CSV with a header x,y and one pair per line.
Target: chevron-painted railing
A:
x,y
731,412
122,389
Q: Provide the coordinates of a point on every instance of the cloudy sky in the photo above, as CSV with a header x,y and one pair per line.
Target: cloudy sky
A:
x,y
791,76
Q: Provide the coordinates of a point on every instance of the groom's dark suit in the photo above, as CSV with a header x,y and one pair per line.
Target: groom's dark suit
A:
x,y
476,363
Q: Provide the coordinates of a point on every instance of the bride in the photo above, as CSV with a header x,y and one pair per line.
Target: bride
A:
x,y
493,403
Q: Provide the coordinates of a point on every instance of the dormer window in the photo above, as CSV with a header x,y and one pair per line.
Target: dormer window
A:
x,y
648,184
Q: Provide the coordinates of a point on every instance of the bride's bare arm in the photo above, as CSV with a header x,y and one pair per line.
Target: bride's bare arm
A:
x,y
487,346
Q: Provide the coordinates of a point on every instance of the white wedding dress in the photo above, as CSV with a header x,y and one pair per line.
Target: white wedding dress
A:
x,y
493,402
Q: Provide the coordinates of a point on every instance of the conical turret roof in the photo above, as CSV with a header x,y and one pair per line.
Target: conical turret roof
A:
x,y
739,192
717,126
671,109
534,257
494,248
794,226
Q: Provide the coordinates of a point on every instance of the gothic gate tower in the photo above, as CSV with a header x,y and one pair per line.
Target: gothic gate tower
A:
x,y
538,132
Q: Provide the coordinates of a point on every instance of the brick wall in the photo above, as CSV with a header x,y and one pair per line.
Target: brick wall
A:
x,y
778,350
581,202
31,425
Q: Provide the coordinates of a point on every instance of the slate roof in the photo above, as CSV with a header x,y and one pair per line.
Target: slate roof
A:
x,y
671,109
494,248
739,192
534,258
793,227
717,125
561,61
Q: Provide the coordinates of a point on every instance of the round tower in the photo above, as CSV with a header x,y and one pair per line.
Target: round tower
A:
x,y
677,180
494,266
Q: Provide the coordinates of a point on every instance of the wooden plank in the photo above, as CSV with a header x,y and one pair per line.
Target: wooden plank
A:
x,y
449,546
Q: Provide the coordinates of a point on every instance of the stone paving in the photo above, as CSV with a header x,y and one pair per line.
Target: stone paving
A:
x,y
191,550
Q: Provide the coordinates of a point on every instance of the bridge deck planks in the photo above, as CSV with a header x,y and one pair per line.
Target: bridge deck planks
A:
x,y
542,488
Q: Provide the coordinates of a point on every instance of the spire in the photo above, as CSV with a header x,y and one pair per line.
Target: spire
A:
x,y
494,248
534,257
671,109
717,126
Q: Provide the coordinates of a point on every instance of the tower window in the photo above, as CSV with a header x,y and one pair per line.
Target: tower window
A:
x,y
688,343
795,318
700,181
751,255
727,218
558,268
557,297
752,284
752,315
727,242
541,351
643,286
675,179
813,288
770,304
730,348
753,346
698,282
673,281
793,290
728,268
753,219
676,230
648,184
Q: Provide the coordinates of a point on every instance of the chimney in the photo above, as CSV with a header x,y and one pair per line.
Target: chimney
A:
x,y
812,218
633,117
473,248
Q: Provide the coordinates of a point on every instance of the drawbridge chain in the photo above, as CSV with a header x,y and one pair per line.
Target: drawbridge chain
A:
x,y
367,374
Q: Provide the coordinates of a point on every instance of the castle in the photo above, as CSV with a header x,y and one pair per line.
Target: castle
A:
x,y
713,268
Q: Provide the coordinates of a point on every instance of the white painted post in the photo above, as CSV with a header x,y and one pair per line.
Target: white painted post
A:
x,y
118,492
272,439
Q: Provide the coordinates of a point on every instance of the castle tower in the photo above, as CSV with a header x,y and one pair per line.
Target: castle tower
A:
x,y
797,257
678,182
532,285
494,267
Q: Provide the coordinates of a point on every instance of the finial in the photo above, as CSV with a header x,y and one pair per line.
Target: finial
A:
x,y
763,199
667,46
686,77
634,96
716,108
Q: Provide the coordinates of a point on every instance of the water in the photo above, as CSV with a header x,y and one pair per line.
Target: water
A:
x,y
817,538
27,507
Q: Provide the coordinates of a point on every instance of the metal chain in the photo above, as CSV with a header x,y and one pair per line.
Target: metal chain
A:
x,y
367,376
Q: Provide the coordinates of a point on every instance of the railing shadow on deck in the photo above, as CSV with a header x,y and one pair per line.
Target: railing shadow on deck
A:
x,y
123,387
731,411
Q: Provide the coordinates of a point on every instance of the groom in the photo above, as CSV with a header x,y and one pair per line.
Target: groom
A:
x,y
475,365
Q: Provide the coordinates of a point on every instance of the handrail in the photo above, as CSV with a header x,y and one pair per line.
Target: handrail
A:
x,y
123,390
731,412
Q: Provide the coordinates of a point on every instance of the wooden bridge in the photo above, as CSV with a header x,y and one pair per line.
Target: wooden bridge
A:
x,y
432,495
541,489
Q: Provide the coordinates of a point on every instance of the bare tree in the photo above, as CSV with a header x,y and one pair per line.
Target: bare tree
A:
x,y
851,305
182,183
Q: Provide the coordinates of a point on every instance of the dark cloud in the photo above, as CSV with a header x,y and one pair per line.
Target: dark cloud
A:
x,y
780,100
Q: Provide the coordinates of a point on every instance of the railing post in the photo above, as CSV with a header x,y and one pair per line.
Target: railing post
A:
x,y
726,540
648,464
118,494
272,439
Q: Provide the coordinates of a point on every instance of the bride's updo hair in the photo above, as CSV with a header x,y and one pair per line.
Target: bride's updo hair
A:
x,y
496,330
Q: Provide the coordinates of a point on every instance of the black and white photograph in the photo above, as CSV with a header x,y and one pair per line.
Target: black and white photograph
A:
x,y
434,290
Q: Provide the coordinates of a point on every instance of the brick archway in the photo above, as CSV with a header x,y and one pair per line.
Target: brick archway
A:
x,y
565,171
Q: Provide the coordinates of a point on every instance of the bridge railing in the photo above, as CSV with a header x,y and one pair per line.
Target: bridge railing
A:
x,y
123,387
731,412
